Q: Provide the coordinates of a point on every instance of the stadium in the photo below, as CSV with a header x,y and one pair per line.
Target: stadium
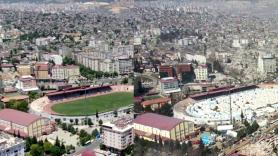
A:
x,y
214,107
83,101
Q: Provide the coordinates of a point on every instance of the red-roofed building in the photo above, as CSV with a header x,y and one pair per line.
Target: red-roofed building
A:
x,y
153,126
41,70
24,124
166,71
156,103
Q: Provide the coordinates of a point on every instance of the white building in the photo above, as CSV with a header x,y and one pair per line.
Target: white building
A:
x,y
201,59
11,146
123,51
201,73
44,41
125,66
119,134
109,66
64,72
27,83
169,85
57,59
267,64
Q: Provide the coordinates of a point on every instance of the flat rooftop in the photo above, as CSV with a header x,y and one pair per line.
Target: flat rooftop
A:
x,y
7,141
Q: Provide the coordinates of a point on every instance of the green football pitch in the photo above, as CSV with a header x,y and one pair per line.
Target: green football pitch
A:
x,y
89,105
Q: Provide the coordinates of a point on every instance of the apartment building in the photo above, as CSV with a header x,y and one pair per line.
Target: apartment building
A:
x,y
60,72
201,73
27,83
41,70
118,134
169,85
11,146
24,69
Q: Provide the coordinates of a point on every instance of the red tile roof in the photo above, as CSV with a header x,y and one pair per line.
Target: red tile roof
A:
x,y
88,153
18,117
157,121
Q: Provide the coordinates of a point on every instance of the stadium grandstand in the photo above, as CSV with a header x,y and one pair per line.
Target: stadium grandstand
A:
x,y
214,106
75,92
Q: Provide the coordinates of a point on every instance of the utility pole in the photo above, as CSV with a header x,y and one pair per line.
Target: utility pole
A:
x,y
231,115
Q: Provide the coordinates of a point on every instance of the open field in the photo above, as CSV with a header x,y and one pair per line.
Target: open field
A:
x,y
90,105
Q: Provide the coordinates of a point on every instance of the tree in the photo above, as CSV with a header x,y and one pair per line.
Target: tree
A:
x,y
33,95
138,108
90,123
18,105
115,113
124,81
64,126
55,151
177,145
34,140
95,133
97,114
276,131
62,149
58,121
241,116
166,109
255,126
184,147
100,122
47,147
57,142
28,144
171,146
36,150
76,121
